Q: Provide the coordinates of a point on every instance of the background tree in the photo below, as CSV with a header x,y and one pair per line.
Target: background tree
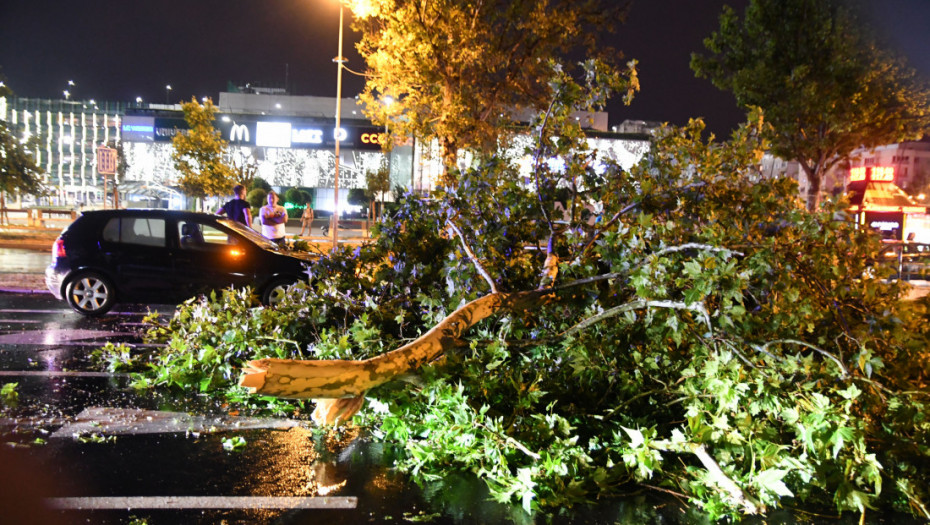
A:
x,y
257,197
824,85
259,183
18,169
460,71
200,154
378,183
294,196
358,197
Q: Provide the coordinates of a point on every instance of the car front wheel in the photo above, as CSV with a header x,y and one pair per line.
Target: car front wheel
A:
x,y
90,294
275,291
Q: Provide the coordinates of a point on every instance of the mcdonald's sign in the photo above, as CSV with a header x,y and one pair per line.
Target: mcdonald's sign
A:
x,y
239,133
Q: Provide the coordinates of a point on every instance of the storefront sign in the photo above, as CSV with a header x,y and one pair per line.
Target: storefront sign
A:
x,y
874,174
262,133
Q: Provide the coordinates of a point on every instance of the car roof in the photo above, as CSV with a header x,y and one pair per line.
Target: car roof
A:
x,y
150,212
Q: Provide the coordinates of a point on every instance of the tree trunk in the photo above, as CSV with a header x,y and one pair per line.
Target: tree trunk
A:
x,y
815,177
339,385
449,157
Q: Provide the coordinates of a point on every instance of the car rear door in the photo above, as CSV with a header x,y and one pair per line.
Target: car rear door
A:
x,y
136,249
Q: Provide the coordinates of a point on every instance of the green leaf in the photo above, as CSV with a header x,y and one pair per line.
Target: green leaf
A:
x,y
771,480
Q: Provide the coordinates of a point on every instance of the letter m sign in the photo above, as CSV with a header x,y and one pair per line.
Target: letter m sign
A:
x,y
106,160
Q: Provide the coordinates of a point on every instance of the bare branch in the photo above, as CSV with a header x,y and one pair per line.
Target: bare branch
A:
x,y
636,305
474,259
824,353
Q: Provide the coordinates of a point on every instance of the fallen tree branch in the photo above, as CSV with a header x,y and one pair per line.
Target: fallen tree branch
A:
x,y
339,385
744,500
474,259
637,305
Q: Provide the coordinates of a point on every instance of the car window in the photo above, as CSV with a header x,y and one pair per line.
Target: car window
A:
x,y
146,231
194,235
251,235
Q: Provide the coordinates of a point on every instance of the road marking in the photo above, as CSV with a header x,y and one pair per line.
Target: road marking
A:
x,y
203,502
129,421
56,373
61,311
60,335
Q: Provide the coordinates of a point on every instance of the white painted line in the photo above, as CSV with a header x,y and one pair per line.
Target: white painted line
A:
x,y
202,502
56,373
129,421
61,335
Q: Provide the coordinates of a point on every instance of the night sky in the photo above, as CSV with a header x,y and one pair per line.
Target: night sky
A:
x,y
119,49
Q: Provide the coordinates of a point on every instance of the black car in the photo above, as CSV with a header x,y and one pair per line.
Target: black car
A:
x,y
164,256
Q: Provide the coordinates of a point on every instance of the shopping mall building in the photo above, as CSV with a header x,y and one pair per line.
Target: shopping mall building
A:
x,y
289,140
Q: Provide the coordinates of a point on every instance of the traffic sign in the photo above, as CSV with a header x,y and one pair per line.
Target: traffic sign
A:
x,y
106,160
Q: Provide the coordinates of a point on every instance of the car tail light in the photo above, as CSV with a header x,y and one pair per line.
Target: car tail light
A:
x,y
58,249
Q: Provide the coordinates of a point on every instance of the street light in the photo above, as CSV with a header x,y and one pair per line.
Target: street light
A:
x,y
339,60
167,90
138,100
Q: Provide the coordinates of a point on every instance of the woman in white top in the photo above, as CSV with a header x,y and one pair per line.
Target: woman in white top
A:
x,y
273,218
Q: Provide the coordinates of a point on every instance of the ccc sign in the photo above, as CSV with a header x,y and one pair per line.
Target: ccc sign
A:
x,y
372,138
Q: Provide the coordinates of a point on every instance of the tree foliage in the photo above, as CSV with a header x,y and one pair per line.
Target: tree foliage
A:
x,y
824,85
461,72
201,154
703,334
19,172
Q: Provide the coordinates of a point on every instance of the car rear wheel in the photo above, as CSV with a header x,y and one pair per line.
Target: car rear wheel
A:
x,y
90,294
275,291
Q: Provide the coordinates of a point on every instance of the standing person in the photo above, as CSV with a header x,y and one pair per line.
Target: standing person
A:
x,y
274,218
306,220
237,209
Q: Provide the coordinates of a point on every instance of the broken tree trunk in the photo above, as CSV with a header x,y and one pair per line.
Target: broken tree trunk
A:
x,y
338,386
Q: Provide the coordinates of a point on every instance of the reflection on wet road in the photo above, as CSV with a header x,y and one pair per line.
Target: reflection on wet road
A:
x,y
90,449
101,442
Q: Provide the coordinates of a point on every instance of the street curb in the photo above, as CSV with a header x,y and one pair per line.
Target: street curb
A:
x,y
23,291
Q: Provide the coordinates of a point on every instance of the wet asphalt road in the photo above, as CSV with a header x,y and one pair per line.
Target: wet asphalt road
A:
x,y
81,446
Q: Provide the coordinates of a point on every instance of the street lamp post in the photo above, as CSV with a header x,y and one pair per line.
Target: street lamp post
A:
x,y
338,132
167,90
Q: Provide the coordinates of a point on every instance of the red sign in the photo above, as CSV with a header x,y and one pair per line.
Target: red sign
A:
x,y
106,161
876,174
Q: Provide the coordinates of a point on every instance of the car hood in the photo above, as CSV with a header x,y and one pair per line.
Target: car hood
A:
x,y
303,256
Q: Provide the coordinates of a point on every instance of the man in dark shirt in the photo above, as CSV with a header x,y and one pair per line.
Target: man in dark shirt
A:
x,y
237,209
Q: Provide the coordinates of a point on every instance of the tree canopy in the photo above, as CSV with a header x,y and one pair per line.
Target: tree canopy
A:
x,y
825,86
461,72
201,154
18,169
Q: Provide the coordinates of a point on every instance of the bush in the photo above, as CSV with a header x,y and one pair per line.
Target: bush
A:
x,y
295,197
257,198
260,183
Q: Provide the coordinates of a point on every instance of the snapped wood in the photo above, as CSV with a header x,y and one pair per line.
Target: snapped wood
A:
x,y
339,385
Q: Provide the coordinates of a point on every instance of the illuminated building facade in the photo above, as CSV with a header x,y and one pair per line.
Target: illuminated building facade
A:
x,y
68,134
288,141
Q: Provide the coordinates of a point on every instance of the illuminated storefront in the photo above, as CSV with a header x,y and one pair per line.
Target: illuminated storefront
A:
x,y
878,203
289,141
